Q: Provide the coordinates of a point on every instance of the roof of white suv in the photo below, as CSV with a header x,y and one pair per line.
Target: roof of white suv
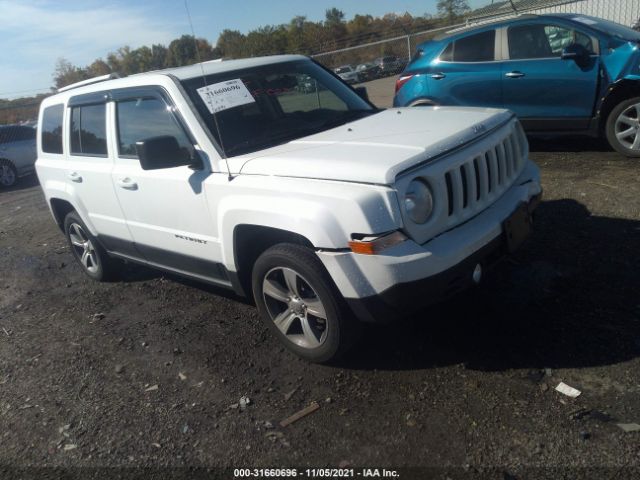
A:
x,y
216,66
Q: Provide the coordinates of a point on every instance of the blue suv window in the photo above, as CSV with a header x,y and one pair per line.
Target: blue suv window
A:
x,y
543,41
474,48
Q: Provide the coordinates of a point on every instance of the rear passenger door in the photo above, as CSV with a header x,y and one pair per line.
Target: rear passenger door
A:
x,y
89,169
468,72
539,86
166,209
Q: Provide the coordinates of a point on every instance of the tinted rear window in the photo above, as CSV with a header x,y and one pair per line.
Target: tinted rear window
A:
x,y
474,48
52,129
16,134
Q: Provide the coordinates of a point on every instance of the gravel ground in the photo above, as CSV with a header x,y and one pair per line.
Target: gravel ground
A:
x,y
148,372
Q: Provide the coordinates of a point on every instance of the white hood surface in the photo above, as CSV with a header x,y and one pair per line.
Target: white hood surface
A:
x,y
376,148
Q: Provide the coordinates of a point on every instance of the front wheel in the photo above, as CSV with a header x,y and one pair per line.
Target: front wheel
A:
x,y
299,302
623,127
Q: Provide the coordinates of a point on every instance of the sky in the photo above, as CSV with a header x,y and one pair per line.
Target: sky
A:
x,y
36,33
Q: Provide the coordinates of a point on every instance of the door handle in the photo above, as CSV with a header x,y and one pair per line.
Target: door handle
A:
x,y
515,74
74,177
437,76
127,184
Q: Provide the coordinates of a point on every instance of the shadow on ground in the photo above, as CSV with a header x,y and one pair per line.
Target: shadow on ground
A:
x,y
568,144
569,299
22,184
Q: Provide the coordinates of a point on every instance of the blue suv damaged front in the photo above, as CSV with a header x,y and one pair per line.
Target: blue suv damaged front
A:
x,y
563,73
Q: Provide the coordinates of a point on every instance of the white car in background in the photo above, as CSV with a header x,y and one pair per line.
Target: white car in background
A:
x,y
348,74
323,209
17,153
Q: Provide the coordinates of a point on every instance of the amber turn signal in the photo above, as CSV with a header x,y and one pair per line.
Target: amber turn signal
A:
x,y
373,245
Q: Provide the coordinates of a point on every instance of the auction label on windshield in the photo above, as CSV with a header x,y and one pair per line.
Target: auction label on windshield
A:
x,y
225,95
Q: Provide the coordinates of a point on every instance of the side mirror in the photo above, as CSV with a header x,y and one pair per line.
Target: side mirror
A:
x,y
164,152
577,53
362,93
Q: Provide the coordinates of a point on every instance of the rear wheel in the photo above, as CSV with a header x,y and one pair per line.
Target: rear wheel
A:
x,y
623,127
8,174
92,258
299,302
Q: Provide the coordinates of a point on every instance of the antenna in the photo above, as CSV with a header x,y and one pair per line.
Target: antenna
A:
x,y
204,81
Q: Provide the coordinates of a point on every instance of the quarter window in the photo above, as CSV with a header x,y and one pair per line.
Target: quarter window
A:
x,y
88,130
543,41
51,129
142,118
474,48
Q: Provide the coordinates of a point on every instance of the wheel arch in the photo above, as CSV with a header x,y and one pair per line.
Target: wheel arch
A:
x,y
250,241
60,209
616,93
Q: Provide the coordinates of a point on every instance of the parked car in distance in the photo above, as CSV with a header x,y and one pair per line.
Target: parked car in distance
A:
x,y
368,71
348,74
390,65
325,210
17,153
561,73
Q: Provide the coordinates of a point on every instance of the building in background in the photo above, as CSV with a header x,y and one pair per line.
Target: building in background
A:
x,y
625,12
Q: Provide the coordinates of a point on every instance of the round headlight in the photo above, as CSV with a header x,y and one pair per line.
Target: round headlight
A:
x,y
418,201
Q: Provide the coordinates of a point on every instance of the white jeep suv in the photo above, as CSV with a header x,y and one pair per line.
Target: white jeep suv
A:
x,y
324,209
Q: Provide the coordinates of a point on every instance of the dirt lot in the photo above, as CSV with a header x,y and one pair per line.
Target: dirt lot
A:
x,y
465,388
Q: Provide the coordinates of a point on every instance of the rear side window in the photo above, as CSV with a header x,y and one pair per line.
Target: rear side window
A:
x,y
88,130
475,48
142,118
52,129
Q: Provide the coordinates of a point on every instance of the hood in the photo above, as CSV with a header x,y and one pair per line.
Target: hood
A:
x,y
374,149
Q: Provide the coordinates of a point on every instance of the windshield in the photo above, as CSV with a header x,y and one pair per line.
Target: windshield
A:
x,y
284,101
610,28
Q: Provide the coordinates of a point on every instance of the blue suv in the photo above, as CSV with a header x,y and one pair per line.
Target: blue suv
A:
x,y
564,73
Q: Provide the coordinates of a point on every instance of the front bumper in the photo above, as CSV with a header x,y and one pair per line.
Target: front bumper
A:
x,y
408,276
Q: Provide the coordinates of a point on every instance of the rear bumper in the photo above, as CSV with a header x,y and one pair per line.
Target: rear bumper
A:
x,y
405,298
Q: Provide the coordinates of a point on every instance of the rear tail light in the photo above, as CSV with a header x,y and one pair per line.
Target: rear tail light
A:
x,y
402,80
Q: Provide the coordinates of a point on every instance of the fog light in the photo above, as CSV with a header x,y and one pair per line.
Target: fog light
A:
x,y
477,274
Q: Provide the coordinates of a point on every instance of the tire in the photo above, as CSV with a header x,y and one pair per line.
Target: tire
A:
x,y
625,117
92,258
290,285
8,174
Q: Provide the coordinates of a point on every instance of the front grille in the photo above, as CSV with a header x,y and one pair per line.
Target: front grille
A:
x,y
478,181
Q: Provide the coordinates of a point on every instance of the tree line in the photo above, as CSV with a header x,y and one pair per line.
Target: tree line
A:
x,y
299,35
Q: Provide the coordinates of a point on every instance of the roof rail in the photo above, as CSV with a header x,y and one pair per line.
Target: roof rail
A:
x,y
90,81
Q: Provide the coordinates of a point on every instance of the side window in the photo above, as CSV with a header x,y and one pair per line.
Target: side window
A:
x,y
543,41
51,129
88,130
474,48
560,38
142,118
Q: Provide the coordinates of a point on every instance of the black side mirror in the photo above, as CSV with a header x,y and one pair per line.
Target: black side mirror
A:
x,y
577,53
362,93
164,152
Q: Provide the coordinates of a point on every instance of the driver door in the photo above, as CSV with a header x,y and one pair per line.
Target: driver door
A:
x,y
538,85
165,209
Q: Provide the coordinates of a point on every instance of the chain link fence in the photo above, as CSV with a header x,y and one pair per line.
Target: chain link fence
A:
x,y
384,58
17,141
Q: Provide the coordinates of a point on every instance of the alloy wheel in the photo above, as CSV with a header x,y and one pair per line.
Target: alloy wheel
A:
x,y
7,175
294,307
627,128
83,247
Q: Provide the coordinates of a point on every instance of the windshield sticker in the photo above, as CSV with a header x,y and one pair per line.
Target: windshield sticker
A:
x,y
225,95
586,21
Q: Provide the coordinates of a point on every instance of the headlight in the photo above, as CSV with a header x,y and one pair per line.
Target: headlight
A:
x,y
418,201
